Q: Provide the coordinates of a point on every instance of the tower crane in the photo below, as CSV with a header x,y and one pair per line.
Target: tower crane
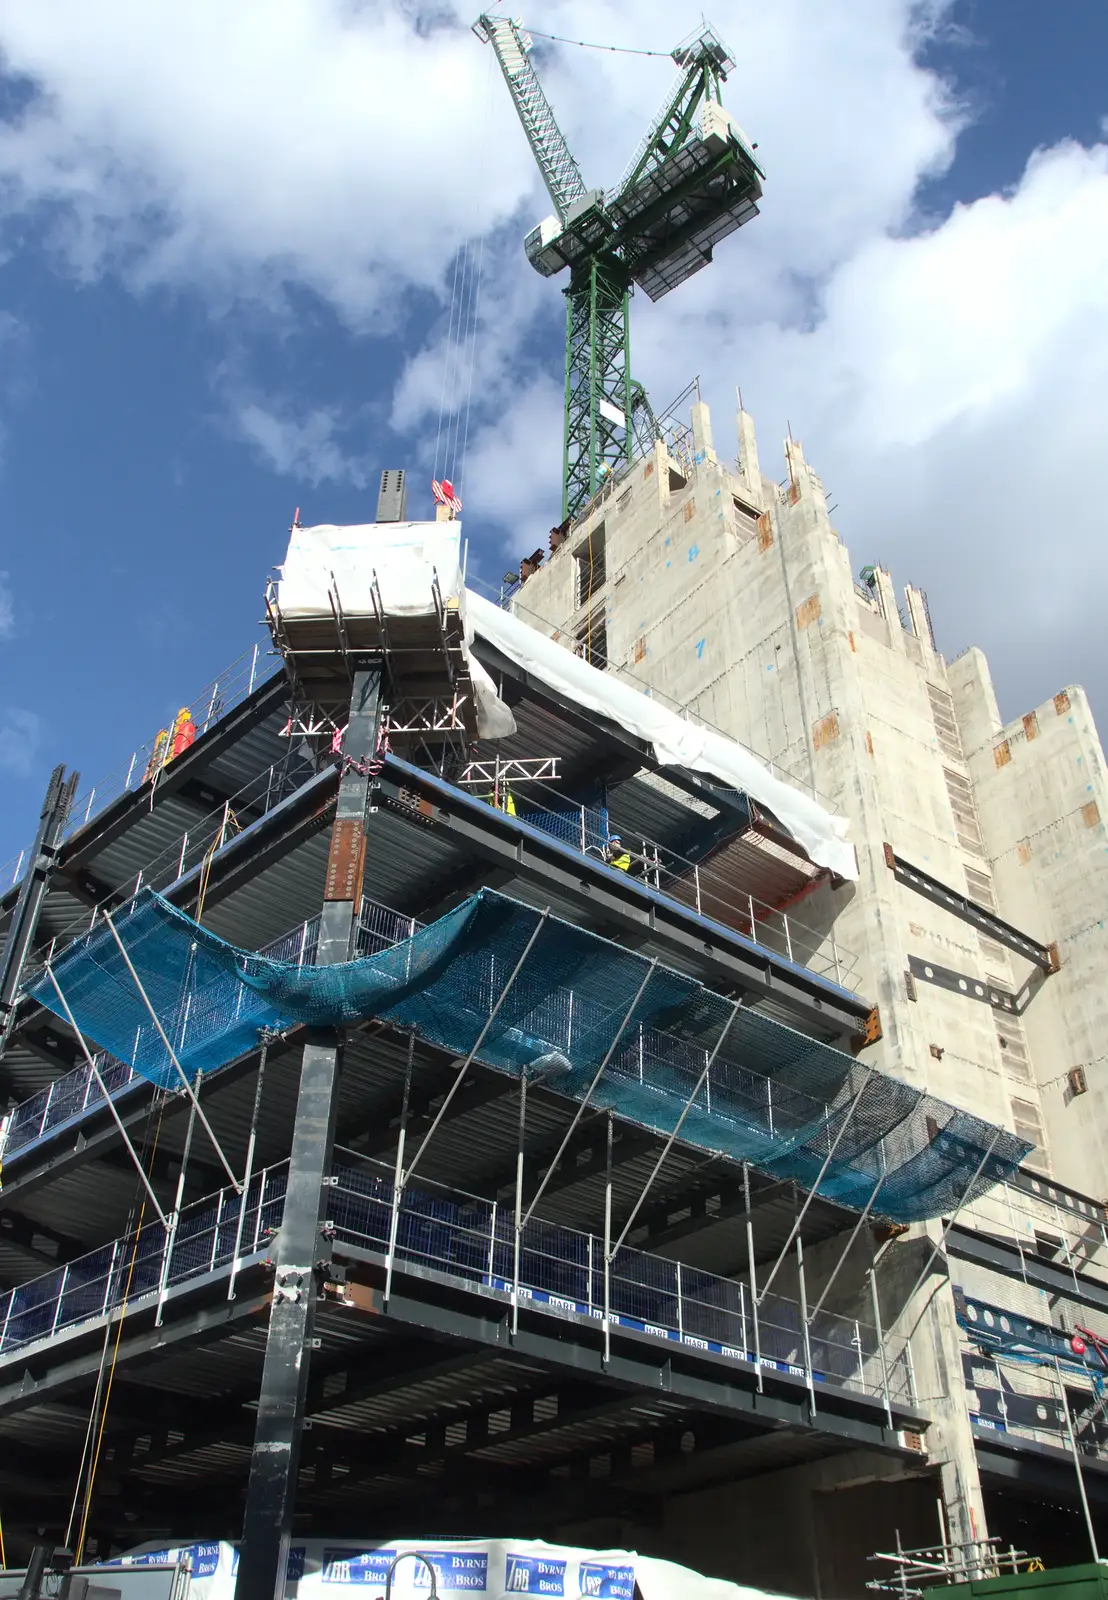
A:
x,y
692,181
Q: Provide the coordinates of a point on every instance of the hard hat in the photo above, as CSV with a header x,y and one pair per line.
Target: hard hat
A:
x,y
614,838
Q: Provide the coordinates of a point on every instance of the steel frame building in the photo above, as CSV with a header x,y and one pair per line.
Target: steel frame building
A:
x,y
645,1334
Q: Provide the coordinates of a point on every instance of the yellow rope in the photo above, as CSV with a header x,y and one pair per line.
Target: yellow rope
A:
x,y
231,826
3,1557
115,1355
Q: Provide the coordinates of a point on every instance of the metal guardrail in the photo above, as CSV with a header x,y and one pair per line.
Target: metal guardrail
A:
x,y
76,1093
226,691
705,890
1049,1223
561,1271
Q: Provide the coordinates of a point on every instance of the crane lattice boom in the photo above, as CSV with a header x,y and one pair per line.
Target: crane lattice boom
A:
x,y
560,171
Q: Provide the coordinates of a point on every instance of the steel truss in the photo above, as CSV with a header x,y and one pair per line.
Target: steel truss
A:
x,y
435,715
482,774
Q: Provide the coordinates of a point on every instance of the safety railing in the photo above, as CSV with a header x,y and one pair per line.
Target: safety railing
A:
x,y
563,1270
146,764
702,888
558,1270
194,847
1045,1221
1024,1400
148,1261
77,1093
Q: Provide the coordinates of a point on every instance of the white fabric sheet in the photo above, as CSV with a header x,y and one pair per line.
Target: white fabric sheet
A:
x,y
406,556
675,742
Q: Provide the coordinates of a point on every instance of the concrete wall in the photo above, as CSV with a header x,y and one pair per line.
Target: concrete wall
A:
x,y
1043,802
733,597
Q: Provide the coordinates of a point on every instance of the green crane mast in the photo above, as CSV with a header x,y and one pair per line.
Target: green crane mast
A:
x,y
692,181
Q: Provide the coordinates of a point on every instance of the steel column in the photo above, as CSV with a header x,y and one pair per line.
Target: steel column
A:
x,y
1076,1460
271,1489
753,1273
55,812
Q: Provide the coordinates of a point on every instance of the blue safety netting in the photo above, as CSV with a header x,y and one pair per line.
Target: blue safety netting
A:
x,y
772,1096
584,827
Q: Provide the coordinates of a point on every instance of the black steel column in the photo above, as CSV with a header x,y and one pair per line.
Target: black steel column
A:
x,y
300,1247
55,811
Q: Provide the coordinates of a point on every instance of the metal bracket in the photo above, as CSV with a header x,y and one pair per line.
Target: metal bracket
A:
x,y
967,910
989,994
871,1031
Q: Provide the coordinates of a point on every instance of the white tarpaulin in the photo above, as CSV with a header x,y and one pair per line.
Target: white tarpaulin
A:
x,y
494,1569
675,741
405,560
404,557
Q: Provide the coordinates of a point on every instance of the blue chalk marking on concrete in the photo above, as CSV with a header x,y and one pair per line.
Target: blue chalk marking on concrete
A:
x,y
699,648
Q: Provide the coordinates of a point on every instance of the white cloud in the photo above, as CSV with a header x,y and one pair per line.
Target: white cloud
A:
x,y
951,398
318,142
306,447
20,736
946,373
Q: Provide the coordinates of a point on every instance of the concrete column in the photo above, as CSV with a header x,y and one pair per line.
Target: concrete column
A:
x,y
702,431
917,612
749,470
937,1356
886,596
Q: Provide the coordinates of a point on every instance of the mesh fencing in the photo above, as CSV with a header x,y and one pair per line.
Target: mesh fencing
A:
x,y
472,1242
556,1009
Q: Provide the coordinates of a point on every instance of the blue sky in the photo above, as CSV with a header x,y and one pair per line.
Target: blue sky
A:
x,y
226,262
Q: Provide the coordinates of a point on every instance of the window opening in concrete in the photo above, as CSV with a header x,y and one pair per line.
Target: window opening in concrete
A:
x,y
1013,1051
980,886
1029,1125
591,638
966,825
1048,1245
946,724
591,572
746,518
998,965
677,480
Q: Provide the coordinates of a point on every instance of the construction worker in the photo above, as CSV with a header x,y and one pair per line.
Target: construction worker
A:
x,y
157,756
615,855
183,735
503,799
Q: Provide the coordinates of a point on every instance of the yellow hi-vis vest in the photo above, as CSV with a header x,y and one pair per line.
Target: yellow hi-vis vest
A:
x,y
506,803
622,862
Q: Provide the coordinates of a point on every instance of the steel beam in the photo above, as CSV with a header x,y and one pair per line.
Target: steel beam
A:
x,y
710,1383
301,1250
966,910
1001,1255
33,890
627,906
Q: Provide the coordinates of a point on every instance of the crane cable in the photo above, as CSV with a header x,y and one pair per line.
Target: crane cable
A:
x,y
585,44
476,303
460,344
